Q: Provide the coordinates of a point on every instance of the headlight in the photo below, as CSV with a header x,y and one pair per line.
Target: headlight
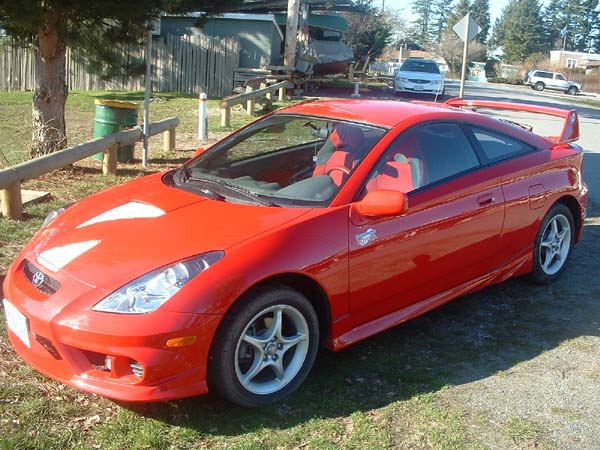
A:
x,y
435,82
153,289
402,80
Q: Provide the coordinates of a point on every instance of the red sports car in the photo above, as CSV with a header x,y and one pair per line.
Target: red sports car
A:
x,y
320,224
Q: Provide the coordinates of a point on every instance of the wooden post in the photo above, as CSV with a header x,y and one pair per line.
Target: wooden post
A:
x,y
249,102
225,116
281,94
291,31
109,161
169,140
351,72
12,205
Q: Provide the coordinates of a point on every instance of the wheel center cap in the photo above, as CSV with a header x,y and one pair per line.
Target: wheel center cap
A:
x,y
271,349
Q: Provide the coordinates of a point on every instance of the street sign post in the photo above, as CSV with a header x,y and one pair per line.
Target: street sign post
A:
x,y
466,29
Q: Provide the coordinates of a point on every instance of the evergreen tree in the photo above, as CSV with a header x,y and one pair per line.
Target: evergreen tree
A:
x,y
422,26
585,25
480,11
95,28
458,12
441,10
554,23
519,30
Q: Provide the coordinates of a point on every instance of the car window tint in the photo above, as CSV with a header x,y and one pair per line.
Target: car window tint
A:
x,y
497,146
422,156
560,77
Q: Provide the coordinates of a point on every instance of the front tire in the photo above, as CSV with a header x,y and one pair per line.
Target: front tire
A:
x,y
553,244
572,90
265,347
539,86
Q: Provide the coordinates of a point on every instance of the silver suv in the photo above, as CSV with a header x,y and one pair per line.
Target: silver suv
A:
x,y
541,79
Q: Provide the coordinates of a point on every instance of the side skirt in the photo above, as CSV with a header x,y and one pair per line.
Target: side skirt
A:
x,y
516,266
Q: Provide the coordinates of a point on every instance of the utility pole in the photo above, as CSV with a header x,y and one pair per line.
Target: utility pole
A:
x,y
291,31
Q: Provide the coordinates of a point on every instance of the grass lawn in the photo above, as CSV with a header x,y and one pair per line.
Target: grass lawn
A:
x,y
399,389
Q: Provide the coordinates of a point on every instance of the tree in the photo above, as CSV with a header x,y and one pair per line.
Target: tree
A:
x,y
554,22
94,28
368,32
518,30
451,49
422,25
480,12
458,12
439,23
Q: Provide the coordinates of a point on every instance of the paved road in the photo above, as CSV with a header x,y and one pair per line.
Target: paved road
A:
x,y
589,120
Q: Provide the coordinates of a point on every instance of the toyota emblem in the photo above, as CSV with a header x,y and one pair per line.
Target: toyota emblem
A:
x,y
38,279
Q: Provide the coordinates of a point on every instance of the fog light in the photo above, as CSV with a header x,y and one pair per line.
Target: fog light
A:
x,y
181,341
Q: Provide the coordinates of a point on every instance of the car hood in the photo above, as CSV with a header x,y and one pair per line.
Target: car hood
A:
x,y
112,237
419,75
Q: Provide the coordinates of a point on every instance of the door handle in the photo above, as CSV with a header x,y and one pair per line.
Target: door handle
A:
x,y
486,199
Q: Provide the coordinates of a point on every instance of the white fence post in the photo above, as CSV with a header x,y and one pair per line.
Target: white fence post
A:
x,y
202,118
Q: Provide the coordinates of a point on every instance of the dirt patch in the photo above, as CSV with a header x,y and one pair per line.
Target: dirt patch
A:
x,y
532,376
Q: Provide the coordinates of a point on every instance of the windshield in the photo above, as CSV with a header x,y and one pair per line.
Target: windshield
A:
x,y
414,65
282,160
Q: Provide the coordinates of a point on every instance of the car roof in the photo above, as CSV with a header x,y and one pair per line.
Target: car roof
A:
x,y
385,113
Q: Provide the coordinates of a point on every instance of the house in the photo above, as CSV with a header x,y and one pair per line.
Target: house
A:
x,y
261,38
572,60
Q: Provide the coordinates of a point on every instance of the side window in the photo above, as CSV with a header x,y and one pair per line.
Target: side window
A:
x,y
498,146
422,156
560,77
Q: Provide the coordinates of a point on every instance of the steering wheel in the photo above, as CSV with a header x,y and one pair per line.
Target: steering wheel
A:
x,y
340,168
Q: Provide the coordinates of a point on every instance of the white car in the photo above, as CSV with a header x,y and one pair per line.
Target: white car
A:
x,y
542,79
419,76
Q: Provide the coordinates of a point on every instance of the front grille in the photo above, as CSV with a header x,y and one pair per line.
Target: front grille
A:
x,y
38,279
137,368
419,81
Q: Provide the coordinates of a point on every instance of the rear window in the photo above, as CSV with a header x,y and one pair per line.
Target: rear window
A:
x,y
413,65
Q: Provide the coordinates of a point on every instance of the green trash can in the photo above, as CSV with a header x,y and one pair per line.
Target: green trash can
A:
x,y
112,116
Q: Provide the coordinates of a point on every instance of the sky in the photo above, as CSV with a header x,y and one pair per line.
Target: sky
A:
x,y
405,6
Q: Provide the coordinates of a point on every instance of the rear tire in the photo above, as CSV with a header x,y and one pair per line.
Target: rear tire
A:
x,y
539,86
265,347
553,244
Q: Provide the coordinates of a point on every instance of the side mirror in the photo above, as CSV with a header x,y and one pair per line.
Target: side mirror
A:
x,y
382,203
199,151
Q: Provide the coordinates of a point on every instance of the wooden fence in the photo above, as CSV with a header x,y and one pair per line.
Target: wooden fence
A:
x,y
12,177
190,64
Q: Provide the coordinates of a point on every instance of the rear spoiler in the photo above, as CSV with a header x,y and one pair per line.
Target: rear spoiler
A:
x,y
570,129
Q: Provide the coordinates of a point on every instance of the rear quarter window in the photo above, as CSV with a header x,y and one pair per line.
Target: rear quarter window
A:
x,y
498,146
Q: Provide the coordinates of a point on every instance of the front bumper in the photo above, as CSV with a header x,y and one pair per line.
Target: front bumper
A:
x,y
123,357
418,88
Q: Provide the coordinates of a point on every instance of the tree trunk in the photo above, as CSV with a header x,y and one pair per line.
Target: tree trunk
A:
x,y
50,96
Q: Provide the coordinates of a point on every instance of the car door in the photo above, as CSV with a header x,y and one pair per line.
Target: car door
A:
x,y
527,173
449,235
560,82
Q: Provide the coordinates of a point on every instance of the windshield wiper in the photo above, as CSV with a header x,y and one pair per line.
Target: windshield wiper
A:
x,y
234,188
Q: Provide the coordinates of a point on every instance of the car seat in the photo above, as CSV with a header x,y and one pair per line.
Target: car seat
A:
x,y
343,149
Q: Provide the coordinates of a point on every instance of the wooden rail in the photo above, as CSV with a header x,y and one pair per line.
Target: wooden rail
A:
x,y
11,178
250,97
